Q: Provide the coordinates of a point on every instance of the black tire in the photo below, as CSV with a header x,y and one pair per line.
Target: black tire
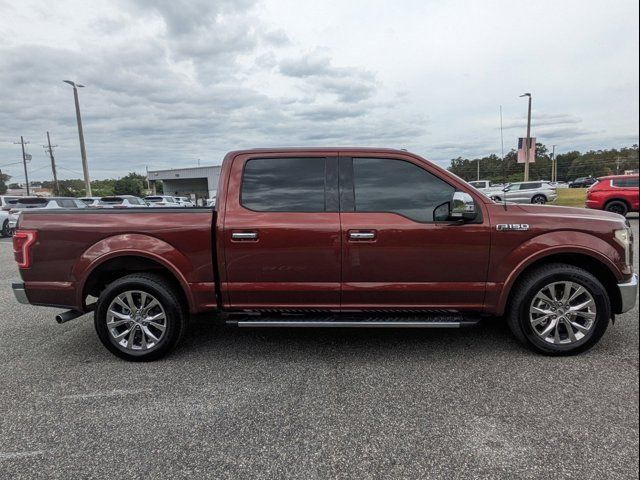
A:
x,y
517,313
160,289
617,206
539,199
5,231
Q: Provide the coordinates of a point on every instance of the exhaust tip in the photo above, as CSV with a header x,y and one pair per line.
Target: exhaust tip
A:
x,y
68,315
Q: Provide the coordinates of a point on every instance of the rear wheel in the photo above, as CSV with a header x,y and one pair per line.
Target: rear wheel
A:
x,y
539,199
617,206
559,309
139,317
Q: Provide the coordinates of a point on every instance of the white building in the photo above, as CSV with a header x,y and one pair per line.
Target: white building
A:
x,y
197,183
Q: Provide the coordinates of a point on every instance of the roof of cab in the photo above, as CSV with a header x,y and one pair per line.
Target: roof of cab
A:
x,y
320,149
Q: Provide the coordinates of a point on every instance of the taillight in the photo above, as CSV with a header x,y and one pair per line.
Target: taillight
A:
x,y
22,242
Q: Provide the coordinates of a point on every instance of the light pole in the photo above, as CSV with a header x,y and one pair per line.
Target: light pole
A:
x,y
554,170
527,140
83,151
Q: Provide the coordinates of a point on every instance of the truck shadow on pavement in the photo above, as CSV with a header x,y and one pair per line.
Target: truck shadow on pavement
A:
x,y
208,334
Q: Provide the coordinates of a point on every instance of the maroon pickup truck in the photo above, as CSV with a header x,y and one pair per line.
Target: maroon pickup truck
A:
x,y
331,238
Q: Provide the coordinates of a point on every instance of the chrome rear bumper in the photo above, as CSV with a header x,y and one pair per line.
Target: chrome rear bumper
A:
x,y
628,294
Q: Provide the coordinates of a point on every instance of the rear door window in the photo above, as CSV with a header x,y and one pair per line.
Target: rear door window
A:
x,y
284,185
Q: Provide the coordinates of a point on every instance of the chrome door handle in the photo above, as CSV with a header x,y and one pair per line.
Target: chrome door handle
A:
x,y
244,236
362,235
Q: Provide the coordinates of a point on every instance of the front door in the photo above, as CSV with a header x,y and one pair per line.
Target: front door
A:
x,y
282,232
399,249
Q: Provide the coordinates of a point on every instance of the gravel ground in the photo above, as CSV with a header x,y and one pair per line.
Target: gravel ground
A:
x,y
236,403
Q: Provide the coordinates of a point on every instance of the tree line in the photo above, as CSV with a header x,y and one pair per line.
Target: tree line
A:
x,y
131,184
571,165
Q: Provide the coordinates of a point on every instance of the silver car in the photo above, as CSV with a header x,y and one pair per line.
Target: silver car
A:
x,y
41,203
527,192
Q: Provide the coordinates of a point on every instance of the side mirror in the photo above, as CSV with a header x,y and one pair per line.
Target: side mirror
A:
x,y
462,206
506,188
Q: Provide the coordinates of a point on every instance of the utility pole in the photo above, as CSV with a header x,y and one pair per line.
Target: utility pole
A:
x,y
49,149
618,165
478,169
24,162
501,135
527,140
83,151
554,172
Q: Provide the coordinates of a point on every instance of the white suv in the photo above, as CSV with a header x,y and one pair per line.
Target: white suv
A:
x,y
41,203
161,201
184,201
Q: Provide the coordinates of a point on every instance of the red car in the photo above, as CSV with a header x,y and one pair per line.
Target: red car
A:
x,y
616,193
345,237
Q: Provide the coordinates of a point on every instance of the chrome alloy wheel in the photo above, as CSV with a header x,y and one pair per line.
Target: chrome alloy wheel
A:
x,y
562,313
136,321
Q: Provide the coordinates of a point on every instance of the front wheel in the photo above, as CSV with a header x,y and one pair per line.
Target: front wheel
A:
x,y
559,309
539,199
139,317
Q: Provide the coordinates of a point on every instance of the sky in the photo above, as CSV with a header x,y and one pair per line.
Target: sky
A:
x,y
176,83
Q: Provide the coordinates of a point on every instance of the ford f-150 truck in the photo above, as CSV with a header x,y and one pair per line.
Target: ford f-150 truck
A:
x,y
340,237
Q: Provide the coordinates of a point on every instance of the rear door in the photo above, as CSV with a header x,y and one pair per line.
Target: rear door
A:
x,y
399,250
282,232
629,188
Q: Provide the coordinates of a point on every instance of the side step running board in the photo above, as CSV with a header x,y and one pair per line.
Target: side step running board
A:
x,y
338,324
354,321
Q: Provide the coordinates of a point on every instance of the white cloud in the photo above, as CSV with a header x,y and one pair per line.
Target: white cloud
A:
x,y
171,82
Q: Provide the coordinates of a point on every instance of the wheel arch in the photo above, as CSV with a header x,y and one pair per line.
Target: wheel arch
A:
x,y
585,259
617,199
95,268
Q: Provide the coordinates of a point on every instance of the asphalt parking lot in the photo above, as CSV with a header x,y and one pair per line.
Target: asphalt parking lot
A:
x,y
325,404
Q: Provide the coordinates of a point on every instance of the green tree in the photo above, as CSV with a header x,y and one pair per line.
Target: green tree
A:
x,y
132,184
570,165
4,178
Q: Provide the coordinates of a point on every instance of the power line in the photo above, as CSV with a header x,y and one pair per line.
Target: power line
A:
x,y
69,170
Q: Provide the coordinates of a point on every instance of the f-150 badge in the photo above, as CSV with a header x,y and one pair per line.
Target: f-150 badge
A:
x,y
512,227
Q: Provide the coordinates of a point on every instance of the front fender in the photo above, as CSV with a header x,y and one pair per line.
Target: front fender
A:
x,y
135,245
508,267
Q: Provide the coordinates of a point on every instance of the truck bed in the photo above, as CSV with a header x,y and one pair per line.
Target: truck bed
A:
x,y
80,243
